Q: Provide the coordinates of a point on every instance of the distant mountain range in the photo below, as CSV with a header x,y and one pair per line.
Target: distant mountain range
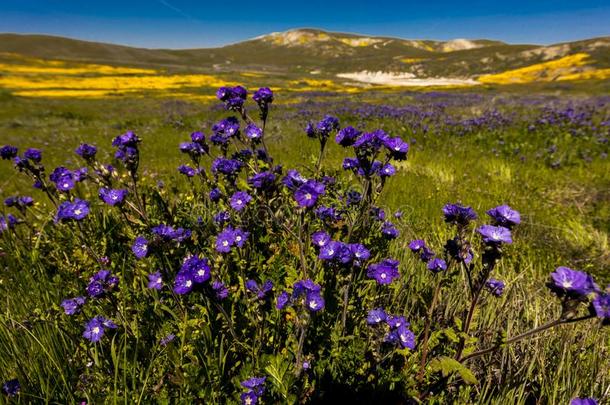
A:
x,y
372,59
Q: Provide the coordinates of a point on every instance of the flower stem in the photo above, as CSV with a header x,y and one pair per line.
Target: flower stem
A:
x,y
424,355
524,335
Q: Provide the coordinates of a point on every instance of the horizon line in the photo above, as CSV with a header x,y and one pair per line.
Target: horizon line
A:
x,y
289,30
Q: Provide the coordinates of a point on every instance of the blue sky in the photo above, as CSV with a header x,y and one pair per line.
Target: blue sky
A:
x,y
204,23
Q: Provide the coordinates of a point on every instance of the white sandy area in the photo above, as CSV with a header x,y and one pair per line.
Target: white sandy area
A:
x,y
403,79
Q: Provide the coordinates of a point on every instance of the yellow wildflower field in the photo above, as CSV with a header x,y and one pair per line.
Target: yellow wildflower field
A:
x,y
571,67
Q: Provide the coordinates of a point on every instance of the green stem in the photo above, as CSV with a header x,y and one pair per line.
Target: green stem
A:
x,y
524,335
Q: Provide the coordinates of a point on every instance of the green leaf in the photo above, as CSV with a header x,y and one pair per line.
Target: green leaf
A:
x,y
282,379
447,366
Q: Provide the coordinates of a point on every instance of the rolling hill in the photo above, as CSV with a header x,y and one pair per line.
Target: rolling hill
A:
x,y
338,56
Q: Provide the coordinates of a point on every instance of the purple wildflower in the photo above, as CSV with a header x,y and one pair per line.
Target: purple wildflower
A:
x,y
437,265
86,151
307,194
253,132
495,287
376,316
96,327
113,197
320,238
601,306
8,152
140,247
76,210
347,136
72,306
11,388
458,214
503,215
33,154
263,96
495,235
573,283
187,170
220,290
167,339
155,281
282,300
384,272
239,200
293,180
397,148
260,291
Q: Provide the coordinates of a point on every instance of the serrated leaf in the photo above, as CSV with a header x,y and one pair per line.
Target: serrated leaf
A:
x,y
447,366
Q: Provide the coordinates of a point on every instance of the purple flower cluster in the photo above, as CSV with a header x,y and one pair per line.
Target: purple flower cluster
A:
x,y
188,171
495,235
566,282
96,328
262,180
505,216
233,97
228,167
65,179
306,195
73,306
194,270
224,130
384,272
340,253
260,291
101,283
168,233
113,197
398,332
140,247
7,222
127,150
239,200
155,281
21,202
11,388
495,287
255,387
230,237
220,290
458,214
263,97
86,151
304,291
8,152
426,255
72,210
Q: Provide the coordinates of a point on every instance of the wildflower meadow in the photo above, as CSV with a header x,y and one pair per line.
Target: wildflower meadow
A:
x,y
244,274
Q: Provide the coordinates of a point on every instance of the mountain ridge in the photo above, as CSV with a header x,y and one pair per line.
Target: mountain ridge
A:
x,y
313,52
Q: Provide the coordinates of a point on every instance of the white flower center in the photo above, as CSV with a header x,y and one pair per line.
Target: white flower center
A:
x,y
383,276
239,202
238,238
201,272
248,401
77,212
313,304
308,196
188,283
225,243
95,330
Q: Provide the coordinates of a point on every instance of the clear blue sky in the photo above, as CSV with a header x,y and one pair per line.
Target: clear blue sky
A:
x,y
204,23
